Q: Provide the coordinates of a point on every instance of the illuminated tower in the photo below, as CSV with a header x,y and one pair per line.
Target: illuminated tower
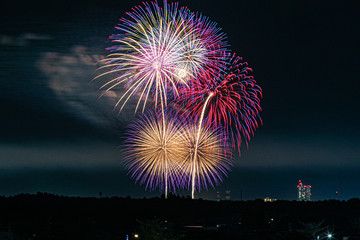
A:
x,y
307,192
301,192
304,192
227,196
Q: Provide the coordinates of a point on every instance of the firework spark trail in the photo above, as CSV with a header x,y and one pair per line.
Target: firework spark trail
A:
x,y
234,105
154,151
211,162
197,146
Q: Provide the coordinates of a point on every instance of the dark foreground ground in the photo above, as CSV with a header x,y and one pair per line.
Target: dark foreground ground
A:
x,y
46,216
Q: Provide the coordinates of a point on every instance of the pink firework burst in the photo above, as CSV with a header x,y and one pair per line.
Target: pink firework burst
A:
x,y
229,99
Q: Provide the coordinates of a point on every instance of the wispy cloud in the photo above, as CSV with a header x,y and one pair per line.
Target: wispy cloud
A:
x,y
21,40
85,154
69,76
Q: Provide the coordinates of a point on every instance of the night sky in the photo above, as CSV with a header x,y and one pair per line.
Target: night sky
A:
x,y
57,136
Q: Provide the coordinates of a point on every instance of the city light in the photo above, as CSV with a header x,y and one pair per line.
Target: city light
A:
x,y
329,235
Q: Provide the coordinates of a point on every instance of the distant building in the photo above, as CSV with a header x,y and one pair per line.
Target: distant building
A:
x,y
304,192
218,196
227,196
307,192
267,199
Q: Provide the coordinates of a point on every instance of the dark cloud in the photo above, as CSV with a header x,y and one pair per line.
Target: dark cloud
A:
x,y
313,151
21,40
60,154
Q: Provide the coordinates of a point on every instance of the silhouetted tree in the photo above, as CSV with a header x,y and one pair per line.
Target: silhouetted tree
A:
x,y
312,230
355,223
157,230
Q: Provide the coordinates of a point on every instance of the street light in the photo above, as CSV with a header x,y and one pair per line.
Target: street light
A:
x,y
329,236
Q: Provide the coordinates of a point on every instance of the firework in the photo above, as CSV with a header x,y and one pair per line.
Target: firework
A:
x,y
158,50
211,163
161,53
229,99
154,152
209,40
163,155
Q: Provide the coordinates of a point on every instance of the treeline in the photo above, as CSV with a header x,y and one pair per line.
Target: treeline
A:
x,y
48,216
